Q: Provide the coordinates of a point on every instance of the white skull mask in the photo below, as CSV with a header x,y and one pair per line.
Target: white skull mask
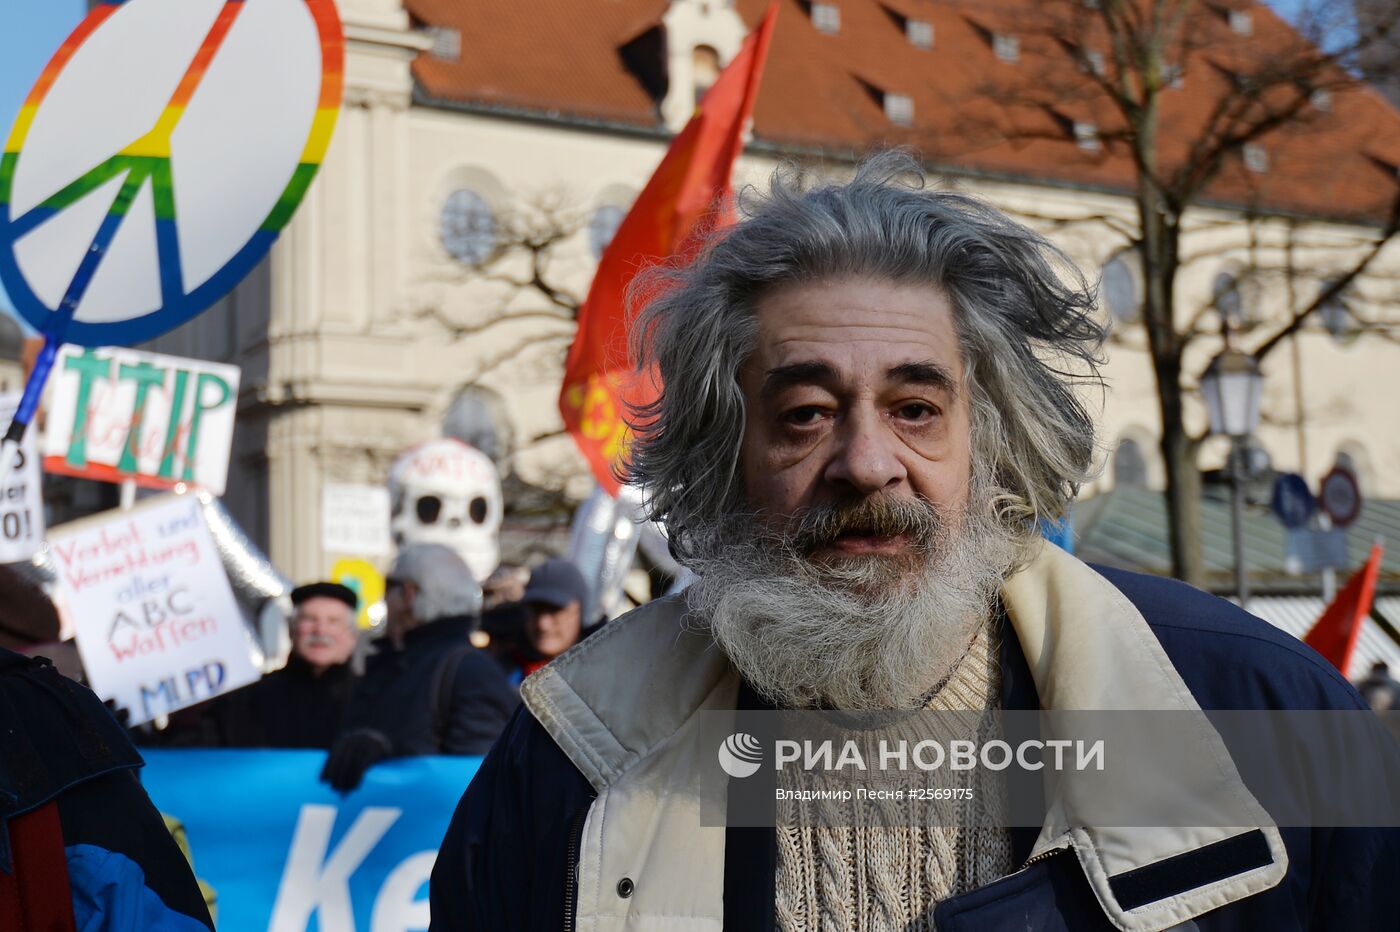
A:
x,y
446,492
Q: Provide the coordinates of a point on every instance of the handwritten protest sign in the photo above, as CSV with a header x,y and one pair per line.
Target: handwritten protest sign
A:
x,y
157,625
21,497
120,414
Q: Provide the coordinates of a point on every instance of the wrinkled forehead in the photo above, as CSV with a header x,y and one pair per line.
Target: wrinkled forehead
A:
x,y
857,328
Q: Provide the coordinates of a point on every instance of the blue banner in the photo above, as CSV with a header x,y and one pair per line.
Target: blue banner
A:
x,y
286,853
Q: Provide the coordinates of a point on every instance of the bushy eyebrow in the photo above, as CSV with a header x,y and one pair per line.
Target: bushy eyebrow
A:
x,y
924,373
781,378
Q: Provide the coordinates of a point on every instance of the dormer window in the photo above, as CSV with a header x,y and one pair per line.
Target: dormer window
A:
x,y
705,68
1086,136
1006,47
1093,62
1241,23
1321,99
1172,77
919,33
1256,158
826,17
899,108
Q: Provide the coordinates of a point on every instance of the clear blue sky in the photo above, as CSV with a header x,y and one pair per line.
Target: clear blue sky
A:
x,y
30,32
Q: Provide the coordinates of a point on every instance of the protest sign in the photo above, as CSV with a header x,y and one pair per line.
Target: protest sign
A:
x,y
156,622
118,414
286,853
21,497
355,520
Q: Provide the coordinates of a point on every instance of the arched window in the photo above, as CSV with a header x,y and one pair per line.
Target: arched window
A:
x,y
1120,290
478,416
1129,466
467,227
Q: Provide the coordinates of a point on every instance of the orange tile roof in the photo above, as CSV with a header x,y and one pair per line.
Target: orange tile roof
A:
x,y
587,61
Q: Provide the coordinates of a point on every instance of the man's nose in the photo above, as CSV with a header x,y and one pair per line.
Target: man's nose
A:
x,y
866,460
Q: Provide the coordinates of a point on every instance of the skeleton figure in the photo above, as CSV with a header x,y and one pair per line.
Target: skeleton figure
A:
x,y
446,492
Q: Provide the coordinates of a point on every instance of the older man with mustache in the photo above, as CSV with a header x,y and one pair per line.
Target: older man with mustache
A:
x,y
301,705
870,406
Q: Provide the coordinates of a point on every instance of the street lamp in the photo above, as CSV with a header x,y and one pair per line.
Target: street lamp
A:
x,y
1232,385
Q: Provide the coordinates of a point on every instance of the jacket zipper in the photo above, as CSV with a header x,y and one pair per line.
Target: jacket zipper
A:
x,y
571,864
1047,853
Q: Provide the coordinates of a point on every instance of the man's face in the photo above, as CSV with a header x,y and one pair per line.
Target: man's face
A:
x,y
323,632
553,630
854,394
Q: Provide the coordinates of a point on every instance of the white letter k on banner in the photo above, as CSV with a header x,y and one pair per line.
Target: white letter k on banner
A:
x,y
313,881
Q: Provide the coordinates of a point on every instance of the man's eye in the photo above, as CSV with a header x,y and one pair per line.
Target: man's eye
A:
x,y
916,411
803,416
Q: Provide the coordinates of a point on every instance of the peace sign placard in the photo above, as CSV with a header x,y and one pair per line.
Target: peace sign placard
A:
x,y
157,158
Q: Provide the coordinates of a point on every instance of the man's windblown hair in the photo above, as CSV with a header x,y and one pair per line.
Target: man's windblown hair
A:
x,y
1025,319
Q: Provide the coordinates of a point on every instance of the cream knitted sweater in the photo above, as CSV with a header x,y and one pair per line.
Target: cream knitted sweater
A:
x,y
850,875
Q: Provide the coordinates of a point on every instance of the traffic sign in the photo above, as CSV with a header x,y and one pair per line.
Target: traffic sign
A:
x,y
1292,500
1340,496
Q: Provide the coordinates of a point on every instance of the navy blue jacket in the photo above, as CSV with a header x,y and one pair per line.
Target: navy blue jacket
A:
x,y
58,743
504,863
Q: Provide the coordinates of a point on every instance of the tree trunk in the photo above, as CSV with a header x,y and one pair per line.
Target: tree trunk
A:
x,y
1183,493
1161,237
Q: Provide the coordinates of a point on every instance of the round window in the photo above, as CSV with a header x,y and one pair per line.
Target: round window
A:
x,y
467,227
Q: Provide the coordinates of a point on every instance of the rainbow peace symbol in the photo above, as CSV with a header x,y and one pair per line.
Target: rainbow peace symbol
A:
x,y
158,156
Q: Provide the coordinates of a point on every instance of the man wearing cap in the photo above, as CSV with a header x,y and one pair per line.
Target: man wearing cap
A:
x,y
301,705
554,601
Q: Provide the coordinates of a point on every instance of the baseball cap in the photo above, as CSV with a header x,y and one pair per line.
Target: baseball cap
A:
x,y
556,583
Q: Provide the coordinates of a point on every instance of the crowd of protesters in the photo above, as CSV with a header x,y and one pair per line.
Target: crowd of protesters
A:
x,y
68,787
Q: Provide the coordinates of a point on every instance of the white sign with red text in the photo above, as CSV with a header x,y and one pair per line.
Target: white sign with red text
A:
x,y
156,621
116,414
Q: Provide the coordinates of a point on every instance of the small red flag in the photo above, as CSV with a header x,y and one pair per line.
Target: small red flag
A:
x,y
678,204
1334,634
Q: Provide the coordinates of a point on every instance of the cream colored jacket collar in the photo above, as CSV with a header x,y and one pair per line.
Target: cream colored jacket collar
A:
x,y
621,704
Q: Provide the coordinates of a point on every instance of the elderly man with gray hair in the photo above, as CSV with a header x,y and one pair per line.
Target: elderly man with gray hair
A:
x,y
426,690
870,407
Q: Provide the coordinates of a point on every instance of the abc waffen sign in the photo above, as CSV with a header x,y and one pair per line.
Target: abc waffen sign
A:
x,y
156,621
118,414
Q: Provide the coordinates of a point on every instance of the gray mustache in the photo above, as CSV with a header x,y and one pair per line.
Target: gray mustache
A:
x,y
821,525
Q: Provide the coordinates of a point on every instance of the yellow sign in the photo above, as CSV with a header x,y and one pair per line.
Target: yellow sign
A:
x,y
367,582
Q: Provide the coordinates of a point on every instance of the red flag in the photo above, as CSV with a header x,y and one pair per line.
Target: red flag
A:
x,y
676,205
1334,634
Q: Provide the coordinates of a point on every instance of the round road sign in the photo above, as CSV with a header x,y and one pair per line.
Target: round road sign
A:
x,y
1341,496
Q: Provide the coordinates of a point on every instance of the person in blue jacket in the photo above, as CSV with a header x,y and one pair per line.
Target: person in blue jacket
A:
x,y
81,845
871,402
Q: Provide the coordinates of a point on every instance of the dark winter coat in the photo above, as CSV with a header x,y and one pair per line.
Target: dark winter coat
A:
x,y
289,708
436,695
511,856
59,745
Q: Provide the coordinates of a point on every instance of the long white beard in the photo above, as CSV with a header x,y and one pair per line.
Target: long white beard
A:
x,y
870,632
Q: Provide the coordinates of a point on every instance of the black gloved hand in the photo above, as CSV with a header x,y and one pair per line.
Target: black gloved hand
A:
x,y
352,754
